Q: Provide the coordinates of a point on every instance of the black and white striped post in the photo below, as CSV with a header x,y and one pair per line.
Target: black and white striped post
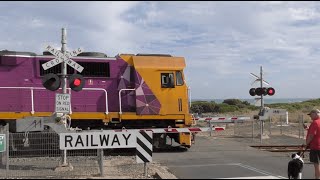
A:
x,y
144,148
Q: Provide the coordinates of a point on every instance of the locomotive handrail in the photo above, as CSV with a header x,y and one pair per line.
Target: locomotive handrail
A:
x,y
31,88
106,93
120,97
41,88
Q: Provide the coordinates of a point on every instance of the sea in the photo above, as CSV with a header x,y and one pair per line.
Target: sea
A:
x,y
266,100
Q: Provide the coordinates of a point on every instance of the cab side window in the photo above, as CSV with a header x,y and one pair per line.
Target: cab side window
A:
x,y
179,79
167,80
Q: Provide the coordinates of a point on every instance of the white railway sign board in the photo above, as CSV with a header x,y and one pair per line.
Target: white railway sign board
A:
x,y
270,112
60,57
98,140
276,111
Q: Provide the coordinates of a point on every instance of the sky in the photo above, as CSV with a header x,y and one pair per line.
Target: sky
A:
x,y
221,41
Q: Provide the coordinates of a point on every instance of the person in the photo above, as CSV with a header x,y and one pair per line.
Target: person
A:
x,y
313,141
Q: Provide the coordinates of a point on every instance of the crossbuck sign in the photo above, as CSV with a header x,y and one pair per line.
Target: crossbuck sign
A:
x,y
60,57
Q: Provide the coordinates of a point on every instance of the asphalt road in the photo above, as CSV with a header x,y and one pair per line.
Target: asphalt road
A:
x,y
212,158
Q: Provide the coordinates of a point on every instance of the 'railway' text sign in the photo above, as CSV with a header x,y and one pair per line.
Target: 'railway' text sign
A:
x,y
97,140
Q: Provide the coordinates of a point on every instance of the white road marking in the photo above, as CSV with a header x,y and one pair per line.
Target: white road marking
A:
x,y
259,171
201,165
267,174
253,177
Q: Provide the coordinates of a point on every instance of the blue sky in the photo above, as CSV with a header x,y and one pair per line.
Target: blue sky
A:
x,y
222,42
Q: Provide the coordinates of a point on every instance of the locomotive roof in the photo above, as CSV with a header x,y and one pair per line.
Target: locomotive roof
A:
x,y
86,55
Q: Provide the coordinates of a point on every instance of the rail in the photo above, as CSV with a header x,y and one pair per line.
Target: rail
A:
x,y
41,88
120,108
280,148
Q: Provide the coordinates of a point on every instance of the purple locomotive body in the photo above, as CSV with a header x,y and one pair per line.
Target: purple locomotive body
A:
x,y
18,72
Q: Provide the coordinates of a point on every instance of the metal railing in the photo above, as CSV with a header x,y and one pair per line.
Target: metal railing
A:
x,y
120,108
99,89
252,128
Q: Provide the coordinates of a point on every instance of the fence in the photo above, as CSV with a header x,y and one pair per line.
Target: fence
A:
x,y
37,155
252,128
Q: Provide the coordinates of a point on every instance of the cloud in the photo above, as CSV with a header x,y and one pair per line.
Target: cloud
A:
x,y
302,13
222,42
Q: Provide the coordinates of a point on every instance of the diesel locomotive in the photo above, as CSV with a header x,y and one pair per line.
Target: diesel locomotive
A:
x,y
131,91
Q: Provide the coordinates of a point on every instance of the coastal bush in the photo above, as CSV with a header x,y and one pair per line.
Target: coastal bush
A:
x,y
236,105
228,105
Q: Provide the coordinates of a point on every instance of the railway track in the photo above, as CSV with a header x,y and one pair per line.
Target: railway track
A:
x,y
280,148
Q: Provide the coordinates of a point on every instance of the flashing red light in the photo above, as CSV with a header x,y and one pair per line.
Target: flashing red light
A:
x,y
271,91
77,82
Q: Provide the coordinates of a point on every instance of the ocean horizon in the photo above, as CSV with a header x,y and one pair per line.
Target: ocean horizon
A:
x,y
266,100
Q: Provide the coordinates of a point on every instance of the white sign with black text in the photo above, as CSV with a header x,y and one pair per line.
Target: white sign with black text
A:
x,y
97,140
62,103
276,111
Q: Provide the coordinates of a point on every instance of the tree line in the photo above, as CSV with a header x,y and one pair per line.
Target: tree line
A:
x,y
237,105
228,105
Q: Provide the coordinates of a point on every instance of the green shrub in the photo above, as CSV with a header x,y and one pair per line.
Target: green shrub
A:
x,y
236,105
224,108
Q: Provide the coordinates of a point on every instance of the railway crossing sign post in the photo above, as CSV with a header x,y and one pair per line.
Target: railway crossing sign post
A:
x,y
63,100
261,91
62,103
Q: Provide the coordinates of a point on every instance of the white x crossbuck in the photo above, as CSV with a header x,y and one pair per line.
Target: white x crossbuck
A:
x,y
60,57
